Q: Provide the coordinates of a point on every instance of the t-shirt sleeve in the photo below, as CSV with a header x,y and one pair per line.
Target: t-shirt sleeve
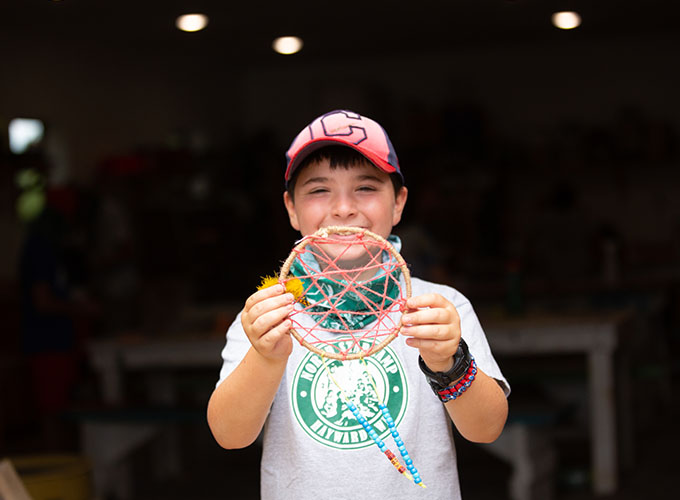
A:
x,y
235,348
472,332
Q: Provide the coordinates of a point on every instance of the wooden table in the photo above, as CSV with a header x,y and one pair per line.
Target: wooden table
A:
x,y
599,337
596,335
111,358
109,442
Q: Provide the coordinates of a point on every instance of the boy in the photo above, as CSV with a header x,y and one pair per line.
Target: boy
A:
x,y
342,171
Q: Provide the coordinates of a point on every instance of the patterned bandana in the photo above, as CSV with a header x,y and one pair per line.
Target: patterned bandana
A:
x,y
350,310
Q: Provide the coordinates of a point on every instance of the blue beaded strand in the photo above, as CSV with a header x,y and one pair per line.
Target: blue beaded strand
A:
x,y
367,426
380,443
400,444
412,471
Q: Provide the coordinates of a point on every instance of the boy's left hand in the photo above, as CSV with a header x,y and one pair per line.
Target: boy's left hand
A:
x,y
432,325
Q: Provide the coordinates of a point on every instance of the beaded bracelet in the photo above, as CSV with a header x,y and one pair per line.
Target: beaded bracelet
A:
x,y
457,390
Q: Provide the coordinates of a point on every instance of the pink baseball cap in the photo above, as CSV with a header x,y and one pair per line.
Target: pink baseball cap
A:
x,y
346,128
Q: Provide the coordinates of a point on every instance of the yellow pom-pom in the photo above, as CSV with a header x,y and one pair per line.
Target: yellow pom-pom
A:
x,y
268,281
296,287
293,285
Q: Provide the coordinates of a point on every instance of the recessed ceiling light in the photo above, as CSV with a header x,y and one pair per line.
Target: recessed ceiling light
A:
x,y
566,20
191,22
287,45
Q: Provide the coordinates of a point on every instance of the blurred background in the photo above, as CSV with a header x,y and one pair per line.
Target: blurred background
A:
x,y
141,179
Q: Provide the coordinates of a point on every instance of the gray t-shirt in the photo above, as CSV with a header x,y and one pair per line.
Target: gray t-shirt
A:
x,y
313,447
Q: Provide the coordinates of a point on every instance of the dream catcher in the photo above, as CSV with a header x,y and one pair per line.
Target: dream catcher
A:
x,y
351,287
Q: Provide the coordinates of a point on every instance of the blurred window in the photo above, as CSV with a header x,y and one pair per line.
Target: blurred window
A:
x,y
24,133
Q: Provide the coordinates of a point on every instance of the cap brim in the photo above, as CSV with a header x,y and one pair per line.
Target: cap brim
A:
x,y
317,144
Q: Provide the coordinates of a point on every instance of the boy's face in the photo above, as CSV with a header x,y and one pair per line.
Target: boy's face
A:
x,y
359,196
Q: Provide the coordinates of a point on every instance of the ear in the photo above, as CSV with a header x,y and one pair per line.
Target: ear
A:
x,y
399,203
290,207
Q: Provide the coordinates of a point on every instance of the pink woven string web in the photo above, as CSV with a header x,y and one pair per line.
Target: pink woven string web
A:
x,y
345,292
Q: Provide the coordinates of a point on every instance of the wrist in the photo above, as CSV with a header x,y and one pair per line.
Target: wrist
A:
x,y
440,366
461,368
456,390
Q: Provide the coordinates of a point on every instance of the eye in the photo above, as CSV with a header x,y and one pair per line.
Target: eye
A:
x,y
366,188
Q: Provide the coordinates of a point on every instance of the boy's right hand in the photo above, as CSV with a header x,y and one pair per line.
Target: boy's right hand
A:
x,y
265,322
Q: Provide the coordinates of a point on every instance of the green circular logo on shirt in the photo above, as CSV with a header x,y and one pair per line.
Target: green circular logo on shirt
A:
x,y
320,387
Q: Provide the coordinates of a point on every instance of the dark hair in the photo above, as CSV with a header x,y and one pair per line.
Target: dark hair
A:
x,y
338,156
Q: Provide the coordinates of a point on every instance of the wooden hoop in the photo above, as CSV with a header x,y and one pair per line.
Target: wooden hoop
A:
x,y
342,230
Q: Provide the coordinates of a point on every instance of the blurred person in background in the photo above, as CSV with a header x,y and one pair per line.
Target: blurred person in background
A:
x,y
57,313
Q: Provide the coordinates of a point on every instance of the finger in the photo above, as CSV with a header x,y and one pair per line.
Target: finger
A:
x,y
273,336
433,349
261,308
269,304
277,342
270,319
437,315
434,332
427,300
263,294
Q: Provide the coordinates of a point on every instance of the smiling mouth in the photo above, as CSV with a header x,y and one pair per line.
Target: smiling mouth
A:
x,y
340,233
347,236
344,237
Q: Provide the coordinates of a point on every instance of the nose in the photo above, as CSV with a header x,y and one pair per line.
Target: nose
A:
x,y
344,206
